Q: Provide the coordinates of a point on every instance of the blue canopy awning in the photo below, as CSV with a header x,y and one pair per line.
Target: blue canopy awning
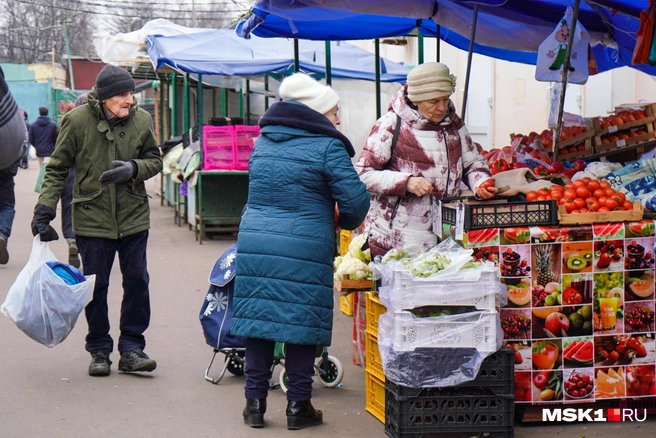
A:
x,y
506,29
222,52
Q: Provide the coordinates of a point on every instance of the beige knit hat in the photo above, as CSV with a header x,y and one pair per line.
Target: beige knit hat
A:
x,y
302,88
431,80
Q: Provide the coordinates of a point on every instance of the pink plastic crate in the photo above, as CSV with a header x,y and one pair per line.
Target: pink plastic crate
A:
x,y
218,150
244,137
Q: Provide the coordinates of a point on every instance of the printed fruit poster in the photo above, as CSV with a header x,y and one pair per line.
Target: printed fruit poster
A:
x,y
580,310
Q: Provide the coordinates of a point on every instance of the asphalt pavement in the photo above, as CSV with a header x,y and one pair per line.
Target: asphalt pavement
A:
x,y
47,392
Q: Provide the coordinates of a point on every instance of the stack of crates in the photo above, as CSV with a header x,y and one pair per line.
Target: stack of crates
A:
x,y
374,374
228,147
345,301
483,405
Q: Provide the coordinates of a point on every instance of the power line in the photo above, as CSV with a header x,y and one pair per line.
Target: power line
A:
x,y
114,14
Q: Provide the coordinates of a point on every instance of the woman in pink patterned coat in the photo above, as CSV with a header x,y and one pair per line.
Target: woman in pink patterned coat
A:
x,y
433,153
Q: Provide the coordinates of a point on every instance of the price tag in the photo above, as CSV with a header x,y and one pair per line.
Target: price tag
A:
x,y
460,222
621,143
612,129
436,213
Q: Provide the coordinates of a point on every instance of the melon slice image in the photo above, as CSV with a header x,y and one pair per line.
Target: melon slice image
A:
x,y
519,296
642,288
585,353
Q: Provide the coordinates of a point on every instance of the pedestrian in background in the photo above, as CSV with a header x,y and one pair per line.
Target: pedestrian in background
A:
x,y
300,168
43,135
12,138
25,160
110,143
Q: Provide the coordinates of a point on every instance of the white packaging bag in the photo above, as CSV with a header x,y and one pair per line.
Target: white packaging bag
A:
x,y
41,303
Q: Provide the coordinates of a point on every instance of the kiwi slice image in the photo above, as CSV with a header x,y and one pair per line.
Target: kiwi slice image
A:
x,y
576,263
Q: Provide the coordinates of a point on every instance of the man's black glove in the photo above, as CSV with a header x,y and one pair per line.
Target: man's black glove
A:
x,y
122,171
41,223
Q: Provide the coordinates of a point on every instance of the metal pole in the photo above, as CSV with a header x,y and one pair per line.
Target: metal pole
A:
x,y
68,55
297,66
420,48
199,112
266,91
329,75
563,79
224,102
248,102
160,92
469,61
437,43
377,61
185,103
174,104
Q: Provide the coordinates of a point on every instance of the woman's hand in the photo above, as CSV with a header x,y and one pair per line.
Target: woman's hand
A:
x,y
487,189
418,185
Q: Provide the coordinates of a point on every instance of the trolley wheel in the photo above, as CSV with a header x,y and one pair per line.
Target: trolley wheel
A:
x,y
235,363
283,380
331,373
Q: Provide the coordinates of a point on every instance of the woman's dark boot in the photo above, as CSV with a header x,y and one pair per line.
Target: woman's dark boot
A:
x,y
302,414
254,412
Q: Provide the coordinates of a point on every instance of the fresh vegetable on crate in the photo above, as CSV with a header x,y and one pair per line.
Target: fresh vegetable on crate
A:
x,y
354,265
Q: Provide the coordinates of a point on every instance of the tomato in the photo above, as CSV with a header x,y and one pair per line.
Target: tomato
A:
x,y
578,184
569,186
619,197
532,196
541,198
488,183
584,210
543,191
609,192
599,193
579,202
586,179
583,192
569,194
627,205
602,200
611,204
570,206
593,205
576,211
603,209
593,185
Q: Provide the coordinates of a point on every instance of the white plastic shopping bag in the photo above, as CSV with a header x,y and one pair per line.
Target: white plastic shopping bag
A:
x,y
41,303
551,53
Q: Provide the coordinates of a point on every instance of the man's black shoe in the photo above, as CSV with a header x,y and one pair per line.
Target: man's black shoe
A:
x,y
135,360
301,414
254,412
100,364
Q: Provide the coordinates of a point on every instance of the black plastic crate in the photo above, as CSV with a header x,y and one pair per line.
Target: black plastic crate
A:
x,y
427,364
223,121
426,412
190,136
511,214
497,372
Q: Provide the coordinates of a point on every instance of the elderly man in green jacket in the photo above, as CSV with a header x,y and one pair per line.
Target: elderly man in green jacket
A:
x,y
110,143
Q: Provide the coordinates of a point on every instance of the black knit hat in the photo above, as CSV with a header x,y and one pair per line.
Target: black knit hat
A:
x,y
112,81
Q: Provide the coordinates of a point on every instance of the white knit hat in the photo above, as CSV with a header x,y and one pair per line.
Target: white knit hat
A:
x,y
302,88
428,81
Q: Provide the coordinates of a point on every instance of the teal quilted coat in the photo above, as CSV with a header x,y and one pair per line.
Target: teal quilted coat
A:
x,y
299,169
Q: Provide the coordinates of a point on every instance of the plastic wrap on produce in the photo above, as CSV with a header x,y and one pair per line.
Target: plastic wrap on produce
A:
x,y
436,351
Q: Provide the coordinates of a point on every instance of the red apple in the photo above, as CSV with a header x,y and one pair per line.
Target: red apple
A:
x,y
557,322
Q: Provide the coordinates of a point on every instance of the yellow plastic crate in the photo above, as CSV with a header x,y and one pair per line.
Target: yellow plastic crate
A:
x,y
373,365
374,309
346,304
344,240
375,397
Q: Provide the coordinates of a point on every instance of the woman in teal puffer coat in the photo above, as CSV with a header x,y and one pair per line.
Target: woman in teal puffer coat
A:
x,y
299,170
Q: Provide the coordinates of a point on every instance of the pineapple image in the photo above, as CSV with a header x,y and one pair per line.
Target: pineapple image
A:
x,y
543,262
